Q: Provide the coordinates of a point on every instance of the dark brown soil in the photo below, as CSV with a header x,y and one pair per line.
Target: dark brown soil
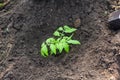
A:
x,y
25,24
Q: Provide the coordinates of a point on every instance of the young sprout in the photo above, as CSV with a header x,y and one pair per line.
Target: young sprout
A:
x,y
60,42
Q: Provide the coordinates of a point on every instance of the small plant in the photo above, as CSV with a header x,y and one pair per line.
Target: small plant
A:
x,y
61,41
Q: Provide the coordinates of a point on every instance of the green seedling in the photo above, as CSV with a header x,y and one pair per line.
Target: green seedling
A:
x,y
60,42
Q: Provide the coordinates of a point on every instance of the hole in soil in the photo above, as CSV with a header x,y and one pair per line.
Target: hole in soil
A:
x,y
40,24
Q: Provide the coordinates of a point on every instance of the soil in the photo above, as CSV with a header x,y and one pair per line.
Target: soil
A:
x,y
25,24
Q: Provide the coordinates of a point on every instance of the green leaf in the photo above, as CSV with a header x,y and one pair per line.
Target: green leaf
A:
x,y
43,44
70,30
56,33
44,51
50,40
67,29
66,37
73,42
63,40
66,47
62,34
58,40
60,29
59,47
53,48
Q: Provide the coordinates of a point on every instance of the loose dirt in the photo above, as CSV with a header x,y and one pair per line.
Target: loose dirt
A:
x,y
25,24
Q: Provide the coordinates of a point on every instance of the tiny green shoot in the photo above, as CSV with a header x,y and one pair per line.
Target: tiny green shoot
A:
x,y
61,41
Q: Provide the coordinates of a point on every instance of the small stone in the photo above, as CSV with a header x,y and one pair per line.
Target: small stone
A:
x,y
31,51
112,78
77,22
18,26
114,20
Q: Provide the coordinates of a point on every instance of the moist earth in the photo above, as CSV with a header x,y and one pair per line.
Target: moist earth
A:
x,y
25,24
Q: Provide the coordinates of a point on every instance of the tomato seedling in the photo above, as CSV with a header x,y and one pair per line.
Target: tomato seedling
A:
x,y
60,42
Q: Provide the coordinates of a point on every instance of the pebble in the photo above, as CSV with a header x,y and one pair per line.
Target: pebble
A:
x,y
77,22
114,20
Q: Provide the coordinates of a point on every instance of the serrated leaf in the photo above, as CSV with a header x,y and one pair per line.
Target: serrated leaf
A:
x,y
44,51
73,42
43,44
59,47
62,34
50,40
70,30
66,47
58,40
53,48
56,33
66,37
67,29
60,29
